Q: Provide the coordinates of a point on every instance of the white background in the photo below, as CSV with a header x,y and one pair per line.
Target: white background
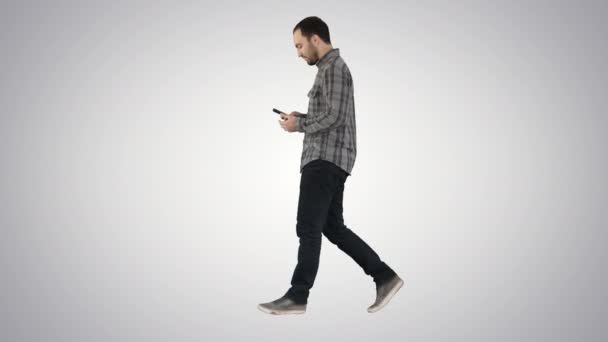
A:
x,y
148,193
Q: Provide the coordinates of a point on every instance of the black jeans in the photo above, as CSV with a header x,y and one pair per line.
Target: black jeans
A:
x,y
320,212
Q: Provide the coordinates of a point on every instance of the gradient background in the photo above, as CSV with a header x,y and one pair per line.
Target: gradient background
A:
x,y
148,192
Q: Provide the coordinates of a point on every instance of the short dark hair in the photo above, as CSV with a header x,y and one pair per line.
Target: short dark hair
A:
x,y
313,25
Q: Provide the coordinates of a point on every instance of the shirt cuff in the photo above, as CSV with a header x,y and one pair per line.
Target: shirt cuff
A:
x,y
300,124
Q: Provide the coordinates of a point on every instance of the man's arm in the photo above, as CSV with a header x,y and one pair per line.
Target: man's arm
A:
x,y
336,90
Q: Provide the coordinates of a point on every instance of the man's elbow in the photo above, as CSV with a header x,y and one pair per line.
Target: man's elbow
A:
x,y
337,120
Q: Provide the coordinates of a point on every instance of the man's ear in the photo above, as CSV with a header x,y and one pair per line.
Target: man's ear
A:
x,y
314,39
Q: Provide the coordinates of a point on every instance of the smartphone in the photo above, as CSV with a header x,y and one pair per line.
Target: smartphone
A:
x,y
278,111
281,112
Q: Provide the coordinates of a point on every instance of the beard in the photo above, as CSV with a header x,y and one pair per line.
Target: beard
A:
x,y
314,58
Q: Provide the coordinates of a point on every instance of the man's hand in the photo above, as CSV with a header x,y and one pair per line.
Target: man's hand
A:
x,y
288,121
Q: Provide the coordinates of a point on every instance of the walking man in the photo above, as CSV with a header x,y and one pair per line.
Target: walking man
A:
x,y
328,156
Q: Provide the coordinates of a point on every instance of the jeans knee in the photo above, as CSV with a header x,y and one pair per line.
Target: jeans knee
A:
x,y
308,233
334,233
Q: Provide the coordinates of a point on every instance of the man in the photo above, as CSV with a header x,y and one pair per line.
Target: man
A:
x,y
328,156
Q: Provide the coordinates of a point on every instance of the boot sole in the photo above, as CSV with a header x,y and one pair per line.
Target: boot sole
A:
x,y
280,312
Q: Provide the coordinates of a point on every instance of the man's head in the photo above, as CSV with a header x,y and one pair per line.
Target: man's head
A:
x,y
311,39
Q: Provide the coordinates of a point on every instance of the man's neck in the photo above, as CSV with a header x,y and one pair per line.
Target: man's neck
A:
x,y
324,50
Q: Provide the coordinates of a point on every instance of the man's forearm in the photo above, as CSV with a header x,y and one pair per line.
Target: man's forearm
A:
x,y
321,121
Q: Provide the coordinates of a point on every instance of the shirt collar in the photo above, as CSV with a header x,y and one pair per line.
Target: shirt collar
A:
x,y
335,52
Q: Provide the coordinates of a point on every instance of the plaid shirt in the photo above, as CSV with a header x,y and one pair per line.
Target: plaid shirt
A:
x,y
329,127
